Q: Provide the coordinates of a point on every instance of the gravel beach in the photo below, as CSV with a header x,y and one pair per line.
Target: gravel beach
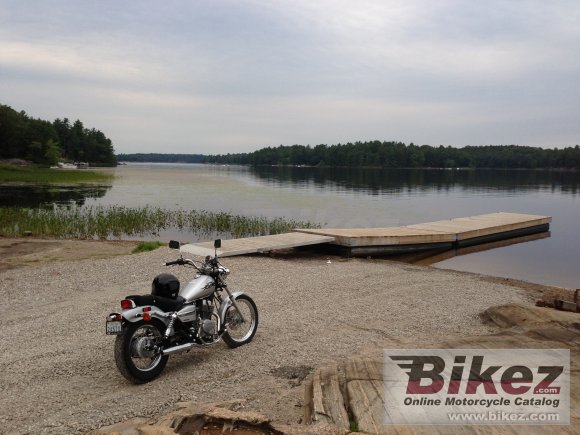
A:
x,y
59,375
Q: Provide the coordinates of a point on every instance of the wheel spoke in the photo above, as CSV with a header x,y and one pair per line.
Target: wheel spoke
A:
x,y
238,329
143,341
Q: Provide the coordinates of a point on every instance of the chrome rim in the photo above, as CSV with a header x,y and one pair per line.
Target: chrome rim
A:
x,y
144,355
240,330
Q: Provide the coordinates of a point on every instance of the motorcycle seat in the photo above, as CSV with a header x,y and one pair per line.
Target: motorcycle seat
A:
x,y
142,300
165,304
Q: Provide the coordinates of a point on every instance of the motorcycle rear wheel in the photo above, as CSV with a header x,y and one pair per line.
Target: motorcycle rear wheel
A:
x,y
135,356
240,332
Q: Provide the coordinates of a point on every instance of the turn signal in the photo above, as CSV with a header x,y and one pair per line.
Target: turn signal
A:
x,y
146,317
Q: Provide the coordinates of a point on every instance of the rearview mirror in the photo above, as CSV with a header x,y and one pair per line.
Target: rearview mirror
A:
x,y
217,243
174,244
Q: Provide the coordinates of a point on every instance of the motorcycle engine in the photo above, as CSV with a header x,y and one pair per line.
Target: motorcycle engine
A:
x,y
208,327
206,309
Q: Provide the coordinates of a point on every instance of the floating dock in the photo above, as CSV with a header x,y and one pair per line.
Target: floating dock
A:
x,y
255,245
445,234
439,235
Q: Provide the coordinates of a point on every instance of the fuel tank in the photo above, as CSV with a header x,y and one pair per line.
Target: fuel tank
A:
x,y
198,288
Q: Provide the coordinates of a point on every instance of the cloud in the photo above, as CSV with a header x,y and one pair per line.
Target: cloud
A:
x,y
64,62
235,75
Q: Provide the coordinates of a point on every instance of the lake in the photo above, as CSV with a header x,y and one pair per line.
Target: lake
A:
x,y
349,198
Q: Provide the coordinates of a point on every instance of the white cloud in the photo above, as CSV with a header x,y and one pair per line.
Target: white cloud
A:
x,y
238,75
64,61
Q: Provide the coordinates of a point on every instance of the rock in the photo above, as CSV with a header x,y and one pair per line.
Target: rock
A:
x,y
192,418
362,386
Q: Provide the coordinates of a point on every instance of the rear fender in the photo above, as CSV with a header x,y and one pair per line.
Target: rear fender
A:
x,y
136,314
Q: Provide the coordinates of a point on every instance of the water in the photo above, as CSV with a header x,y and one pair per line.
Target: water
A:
x,y
34,195
367,198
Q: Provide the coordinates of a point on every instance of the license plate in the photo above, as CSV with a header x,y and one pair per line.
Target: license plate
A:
x,y
114,327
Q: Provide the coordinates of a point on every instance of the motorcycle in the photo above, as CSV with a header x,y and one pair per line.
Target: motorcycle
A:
x,y
174,319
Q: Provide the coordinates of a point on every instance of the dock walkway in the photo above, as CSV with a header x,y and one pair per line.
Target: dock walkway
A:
x,y
444,234
254,245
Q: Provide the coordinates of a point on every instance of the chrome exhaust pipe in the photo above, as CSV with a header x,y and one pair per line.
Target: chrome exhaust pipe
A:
x,y
178,349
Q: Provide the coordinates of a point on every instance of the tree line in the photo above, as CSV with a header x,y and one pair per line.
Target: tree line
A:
x,y
161,158
400,155
46,143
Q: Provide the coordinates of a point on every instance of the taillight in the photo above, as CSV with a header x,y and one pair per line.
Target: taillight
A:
x,y
127,304
145,309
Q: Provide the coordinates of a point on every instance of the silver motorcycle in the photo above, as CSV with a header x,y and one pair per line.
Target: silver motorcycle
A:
x,y
173,319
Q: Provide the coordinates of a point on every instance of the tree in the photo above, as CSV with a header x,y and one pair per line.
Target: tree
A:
x,y
52,153
44,142
399,155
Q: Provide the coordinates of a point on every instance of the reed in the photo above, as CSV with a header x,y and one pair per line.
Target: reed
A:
x,y
116,222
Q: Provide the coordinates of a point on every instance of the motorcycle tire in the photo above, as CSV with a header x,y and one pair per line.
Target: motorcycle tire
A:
x,y
237,332
134,356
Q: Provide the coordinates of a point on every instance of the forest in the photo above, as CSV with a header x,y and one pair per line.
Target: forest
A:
x,y
47,143
161,158
400,155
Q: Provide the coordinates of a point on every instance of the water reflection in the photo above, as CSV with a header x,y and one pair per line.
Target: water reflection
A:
x,y
45,195
435,256
416,181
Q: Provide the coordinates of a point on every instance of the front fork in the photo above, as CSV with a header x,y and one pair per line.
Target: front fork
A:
x,y
233,300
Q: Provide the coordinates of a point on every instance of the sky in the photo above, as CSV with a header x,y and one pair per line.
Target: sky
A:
x,y
227,76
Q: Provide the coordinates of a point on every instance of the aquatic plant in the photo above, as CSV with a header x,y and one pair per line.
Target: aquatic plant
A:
x,y
146,246
116,222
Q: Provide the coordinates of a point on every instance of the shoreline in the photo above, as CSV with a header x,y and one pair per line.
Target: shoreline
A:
x,y
14,248
21,252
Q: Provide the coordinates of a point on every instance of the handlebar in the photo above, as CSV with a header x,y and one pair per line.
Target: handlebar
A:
x,y
178,261
182,262
208,267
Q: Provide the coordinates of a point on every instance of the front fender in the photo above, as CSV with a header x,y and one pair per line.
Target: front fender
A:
x,y
136,314
225,305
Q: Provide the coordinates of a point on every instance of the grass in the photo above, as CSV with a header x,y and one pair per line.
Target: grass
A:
x,y
146,246
116,222
11,173
353,426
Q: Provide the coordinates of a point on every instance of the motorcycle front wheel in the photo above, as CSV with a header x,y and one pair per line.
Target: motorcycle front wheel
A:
x,y
137,352
238,331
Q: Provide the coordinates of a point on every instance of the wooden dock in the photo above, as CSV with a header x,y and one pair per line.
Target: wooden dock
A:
x,y
254,245
445,234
